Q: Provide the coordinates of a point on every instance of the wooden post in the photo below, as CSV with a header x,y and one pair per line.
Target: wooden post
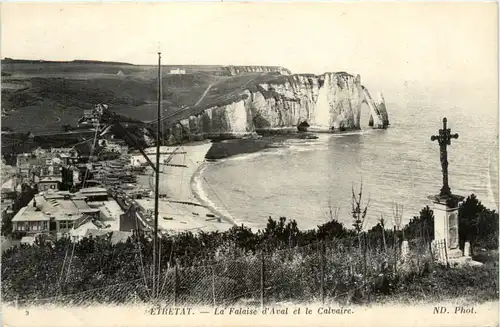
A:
x,y
157,182
322,270
159,270
394,241
395,245
175,285
364,253
262,281
430,251
446,254
365,248
213,286
383,239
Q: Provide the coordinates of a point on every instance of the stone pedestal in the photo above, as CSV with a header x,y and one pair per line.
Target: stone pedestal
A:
x,y
467,249
405,249
446,226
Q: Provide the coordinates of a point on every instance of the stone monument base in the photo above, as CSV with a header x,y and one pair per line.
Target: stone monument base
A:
x,y
464,261
453,257
455,254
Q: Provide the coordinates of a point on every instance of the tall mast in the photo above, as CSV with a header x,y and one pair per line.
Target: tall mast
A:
x,y
157,181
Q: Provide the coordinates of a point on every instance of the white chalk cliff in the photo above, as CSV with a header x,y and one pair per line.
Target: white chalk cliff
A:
x,y
237,70
328,102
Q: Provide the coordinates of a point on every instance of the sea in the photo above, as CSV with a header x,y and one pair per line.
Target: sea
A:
x,y
399,166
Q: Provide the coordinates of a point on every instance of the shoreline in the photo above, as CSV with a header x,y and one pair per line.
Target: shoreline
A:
x,y
236,148
184,209
228,148
198,189
187,206
188,186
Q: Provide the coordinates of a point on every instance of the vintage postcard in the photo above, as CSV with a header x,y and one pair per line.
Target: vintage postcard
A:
x,y
249,164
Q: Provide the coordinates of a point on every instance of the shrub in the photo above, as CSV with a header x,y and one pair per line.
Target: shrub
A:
x,y
477,224
357,267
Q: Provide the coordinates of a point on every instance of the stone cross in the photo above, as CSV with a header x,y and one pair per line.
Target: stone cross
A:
x,y
444,139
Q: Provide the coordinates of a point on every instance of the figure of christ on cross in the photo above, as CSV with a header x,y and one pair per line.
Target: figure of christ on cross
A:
x,y
444,139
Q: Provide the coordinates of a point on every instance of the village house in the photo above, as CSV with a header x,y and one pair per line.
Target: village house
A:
x,y
90,228
34,158
177,71
94,193
42,163
10,185
66,156
57,212
108,222
49,183
25,162
50,212
94,113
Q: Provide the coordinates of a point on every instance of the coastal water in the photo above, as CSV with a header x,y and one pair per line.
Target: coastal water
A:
x,y
399,165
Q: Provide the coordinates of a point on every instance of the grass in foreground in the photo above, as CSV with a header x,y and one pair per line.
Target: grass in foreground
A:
x,y
465,284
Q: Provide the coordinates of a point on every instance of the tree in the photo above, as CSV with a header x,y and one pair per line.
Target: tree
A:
x,y
397,216
476,224
7,223
243,238
67,179
421,226
488,229
280,234
358,214
468,220
382,225
332,228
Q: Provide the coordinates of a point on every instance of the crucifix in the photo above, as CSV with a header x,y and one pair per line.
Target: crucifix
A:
x,y
444,139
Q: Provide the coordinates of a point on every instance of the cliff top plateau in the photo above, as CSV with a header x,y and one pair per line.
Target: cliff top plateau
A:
x,y
40,96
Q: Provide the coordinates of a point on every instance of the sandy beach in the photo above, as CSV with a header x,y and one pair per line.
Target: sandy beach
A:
x,y
183,207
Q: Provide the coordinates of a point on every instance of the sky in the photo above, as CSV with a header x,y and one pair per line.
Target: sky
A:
x,y
386,41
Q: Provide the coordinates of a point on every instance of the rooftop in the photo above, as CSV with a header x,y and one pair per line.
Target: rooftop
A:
x,y
49,205
109,208
8,185
82,229
29,214
52,194
50,179
88,190
63,205
120,236
80,204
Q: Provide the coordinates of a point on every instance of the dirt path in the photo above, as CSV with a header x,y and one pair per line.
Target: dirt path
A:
x,y
197,102
203,95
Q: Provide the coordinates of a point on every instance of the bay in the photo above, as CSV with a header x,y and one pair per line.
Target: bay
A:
x,y
399,165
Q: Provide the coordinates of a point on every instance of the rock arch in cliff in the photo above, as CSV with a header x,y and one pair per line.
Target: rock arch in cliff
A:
x,y
303,126
380,104
378,116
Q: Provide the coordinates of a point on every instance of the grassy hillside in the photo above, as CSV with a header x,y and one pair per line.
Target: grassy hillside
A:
x,y
42,96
